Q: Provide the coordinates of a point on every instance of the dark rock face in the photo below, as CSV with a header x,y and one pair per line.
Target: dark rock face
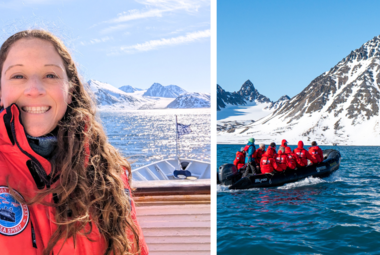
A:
x,y
224,98
247,93
250,94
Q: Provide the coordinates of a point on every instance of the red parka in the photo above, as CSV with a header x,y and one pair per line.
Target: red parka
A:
x,y
316,153
283,143
27,229
292,158
267,162
302,155
282,161
259,153
239,160
274,153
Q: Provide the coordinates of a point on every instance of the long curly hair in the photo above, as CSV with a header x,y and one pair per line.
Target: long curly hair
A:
x,y
89,189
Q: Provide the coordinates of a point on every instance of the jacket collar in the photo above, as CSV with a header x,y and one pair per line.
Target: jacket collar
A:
x,y
13,138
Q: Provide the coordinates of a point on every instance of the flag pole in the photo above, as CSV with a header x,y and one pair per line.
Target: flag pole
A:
x,y
176,137
176,142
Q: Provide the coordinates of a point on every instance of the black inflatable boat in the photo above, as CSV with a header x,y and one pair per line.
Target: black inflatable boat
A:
x,y
230,176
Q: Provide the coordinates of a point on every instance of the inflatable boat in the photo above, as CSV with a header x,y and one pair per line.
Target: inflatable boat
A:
x,y
228,174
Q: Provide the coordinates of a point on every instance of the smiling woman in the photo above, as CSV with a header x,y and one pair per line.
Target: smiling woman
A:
x,y
35,79
63,187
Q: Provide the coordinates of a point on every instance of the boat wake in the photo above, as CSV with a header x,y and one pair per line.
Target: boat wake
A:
x,y
223,188
309,181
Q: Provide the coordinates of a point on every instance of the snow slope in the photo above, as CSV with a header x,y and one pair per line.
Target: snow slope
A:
x,y
191,100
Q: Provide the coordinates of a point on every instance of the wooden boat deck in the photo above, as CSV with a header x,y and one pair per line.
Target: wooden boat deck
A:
x,y
175,216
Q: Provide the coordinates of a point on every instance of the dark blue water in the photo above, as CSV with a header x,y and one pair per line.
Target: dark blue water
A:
x,y
336,215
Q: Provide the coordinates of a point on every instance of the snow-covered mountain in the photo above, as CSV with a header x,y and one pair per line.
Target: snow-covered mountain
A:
x,y
129,89
250,94
191,100
279,103
246,104
171,91
107,96
339,106
246,95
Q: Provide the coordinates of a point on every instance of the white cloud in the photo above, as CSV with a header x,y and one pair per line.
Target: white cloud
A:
x,y
136,14
154,44
114,28
189,5
96,40
155,8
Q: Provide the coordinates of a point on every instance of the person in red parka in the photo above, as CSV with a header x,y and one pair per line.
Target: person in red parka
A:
x,y
302,155
268,163
284,143
272,146
259,153
281,159
63,188
239,161
292,158
316,152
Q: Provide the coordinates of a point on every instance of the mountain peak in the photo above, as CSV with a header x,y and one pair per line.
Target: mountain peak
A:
x,y
170,91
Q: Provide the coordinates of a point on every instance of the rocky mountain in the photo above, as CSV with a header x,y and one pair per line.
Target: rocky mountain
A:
x,y
191,100
245,95
224,98
279,103
171,91
339,106
107,95
129,89
250,94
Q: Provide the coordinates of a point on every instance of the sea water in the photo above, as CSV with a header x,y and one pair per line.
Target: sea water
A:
x,y
146,136
339,214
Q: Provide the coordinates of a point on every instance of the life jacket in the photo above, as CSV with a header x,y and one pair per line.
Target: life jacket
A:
x,y
282,161
239,160
259,153
316,153
27,229
267,162
302,155
292,162
250,150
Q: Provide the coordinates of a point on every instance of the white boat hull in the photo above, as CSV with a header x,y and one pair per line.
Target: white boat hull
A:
x,y
164,170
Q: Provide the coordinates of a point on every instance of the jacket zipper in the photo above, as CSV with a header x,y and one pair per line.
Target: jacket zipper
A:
x,y
34,242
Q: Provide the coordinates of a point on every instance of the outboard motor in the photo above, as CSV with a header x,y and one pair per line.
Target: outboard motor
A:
x,y
228,174
331,154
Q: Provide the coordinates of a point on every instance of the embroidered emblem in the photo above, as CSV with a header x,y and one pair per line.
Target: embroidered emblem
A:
x,y
14,216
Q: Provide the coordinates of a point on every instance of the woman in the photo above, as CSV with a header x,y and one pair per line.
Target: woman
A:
x,y
63,188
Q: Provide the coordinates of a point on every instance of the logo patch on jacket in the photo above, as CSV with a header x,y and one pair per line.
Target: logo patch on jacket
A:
x,y
14,216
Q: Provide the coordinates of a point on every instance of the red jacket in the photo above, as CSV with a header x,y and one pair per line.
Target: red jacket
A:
x,y
259,153
292,158
283,143
302,155
282,161
239,160
267,162
273,151
316,153
27,229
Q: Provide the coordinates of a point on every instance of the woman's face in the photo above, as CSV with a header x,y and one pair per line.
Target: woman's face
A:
x,y
34,77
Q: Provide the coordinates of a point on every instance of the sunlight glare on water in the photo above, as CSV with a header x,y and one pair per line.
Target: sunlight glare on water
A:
x,y
147,136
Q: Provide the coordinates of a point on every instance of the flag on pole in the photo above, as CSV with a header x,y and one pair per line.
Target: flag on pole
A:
x,y
183,130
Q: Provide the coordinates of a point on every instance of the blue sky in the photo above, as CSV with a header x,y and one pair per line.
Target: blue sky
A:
x,y
125,42
281,46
